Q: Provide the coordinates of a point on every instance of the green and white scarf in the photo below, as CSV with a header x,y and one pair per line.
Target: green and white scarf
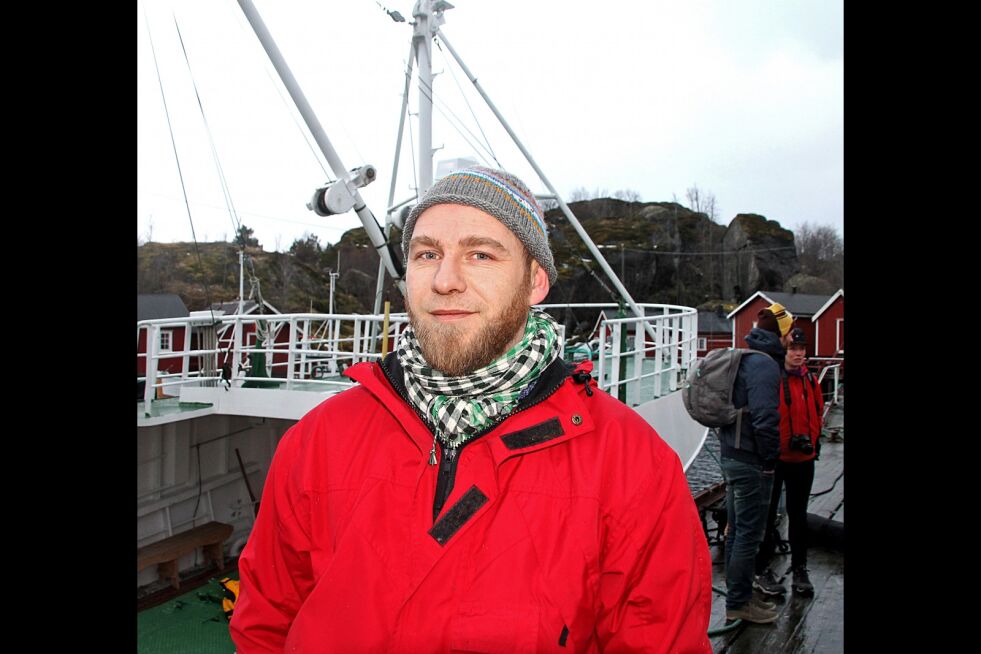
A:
x,y
460,407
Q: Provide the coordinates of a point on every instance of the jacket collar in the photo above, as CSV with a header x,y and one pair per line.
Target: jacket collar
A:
x,y
560,416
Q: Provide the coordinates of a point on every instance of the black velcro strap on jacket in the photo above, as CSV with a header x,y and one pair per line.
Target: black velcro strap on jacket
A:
x,y
457,516
533,435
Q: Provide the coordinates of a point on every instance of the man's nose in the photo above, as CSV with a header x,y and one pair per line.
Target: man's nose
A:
x,y
449,277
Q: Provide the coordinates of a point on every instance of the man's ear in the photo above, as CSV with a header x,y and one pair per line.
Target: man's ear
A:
x,y
539,284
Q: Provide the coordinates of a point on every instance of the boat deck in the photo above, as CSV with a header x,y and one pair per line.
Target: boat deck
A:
x,y
193,623
170,406
188,621
812,625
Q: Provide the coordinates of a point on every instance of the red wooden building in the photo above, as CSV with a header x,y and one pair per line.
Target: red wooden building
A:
x,y
156,306
829,327
820,316
714,332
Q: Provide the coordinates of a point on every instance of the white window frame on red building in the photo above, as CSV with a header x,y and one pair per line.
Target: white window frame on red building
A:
x,y
169,334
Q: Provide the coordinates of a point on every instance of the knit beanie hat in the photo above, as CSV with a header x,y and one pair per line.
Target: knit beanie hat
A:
x,y
766,321
775,319
498,193
797,336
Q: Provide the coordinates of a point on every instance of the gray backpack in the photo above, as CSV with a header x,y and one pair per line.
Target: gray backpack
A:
x,y
708,396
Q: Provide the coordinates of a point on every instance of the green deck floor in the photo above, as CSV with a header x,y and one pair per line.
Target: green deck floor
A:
x,y
192,623
168,407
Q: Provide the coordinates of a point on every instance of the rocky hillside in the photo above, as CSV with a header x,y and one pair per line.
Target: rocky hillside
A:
x,y
663,252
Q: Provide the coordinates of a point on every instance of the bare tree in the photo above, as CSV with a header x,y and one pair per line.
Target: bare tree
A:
x,y
701,201
549,204
582,193
821,252
627,195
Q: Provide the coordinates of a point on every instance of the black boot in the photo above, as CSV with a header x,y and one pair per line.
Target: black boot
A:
x,y
802,583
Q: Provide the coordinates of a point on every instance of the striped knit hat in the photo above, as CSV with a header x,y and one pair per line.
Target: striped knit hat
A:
x,y
775,318
500,194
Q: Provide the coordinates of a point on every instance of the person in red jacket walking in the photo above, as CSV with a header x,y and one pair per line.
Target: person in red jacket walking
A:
x,y
801,413
474,492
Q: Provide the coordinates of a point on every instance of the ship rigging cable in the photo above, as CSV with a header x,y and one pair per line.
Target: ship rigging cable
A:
x,y
450,116
243,25
236,223
240,20
180,174
467,102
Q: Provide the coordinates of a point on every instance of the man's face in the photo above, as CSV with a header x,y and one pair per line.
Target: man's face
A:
x,y
795,356
468,287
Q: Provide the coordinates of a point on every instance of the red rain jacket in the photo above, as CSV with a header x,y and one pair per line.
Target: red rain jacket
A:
x,y
807,414
570,528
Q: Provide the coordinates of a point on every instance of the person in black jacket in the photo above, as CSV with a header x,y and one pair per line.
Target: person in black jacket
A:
x,y
749,458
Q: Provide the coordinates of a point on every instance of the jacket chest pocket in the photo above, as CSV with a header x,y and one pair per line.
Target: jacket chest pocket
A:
x,y
494,630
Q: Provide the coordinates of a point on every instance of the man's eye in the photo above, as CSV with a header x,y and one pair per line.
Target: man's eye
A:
x,y
481,256
428,255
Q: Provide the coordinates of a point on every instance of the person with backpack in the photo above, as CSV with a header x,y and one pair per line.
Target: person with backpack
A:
x,y
750,447
801,411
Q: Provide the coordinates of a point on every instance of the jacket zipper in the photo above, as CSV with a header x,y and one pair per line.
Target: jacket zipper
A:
x,y
451,456
446,476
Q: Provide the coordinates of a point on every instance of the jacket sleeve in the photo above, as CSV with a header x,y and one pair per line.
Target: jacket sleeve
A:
x,y
763,388
655,585
274,567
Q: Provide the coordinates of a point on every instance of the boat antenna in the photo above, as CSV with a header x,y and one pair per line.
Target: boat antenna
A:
x,y
396,16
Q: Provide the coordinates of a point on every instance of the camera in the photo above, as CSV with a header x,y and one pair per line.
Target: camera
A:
x,y
801,442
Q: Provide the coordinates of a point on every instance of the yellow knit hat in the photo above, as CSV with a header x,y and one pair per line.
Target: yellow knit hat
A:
x,y
785,319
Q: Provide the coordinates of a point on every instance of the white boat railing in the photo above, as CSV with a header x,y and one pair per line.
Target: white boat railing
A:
x,y
297,347
311,350
663,362
830,366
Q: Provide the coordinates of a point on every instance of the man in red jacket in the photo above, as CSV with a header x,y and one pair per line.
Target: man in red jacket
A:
x,y
474,492
801,414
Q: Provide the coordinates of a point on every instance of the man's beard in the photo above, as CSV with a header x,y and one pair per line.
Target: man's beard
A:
x,y
447,349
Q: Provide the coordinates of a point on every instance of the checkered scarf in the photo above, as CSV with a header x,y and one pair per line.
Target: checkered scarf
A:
x,y
460,407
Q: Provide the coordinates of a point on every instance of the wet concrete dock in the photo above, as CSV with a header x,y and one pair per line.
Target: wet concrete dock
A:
x,y
813,625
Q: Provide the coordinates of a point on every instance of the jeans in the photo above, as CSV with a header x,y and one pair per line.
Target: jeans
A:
x,y
799,478
747,499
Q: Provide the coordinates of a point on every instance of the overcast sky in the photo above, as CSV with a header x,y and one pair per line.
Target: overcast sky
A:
x,y
742,98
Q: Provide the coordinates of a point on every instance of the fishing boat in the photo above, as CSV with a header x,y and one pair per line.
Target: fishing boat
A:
x,y
219,387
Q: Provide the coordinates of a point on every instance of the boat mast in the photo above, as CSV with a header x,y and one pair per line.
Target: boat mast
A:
x,y
600,260
427,21
426,24
341,195
429,18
